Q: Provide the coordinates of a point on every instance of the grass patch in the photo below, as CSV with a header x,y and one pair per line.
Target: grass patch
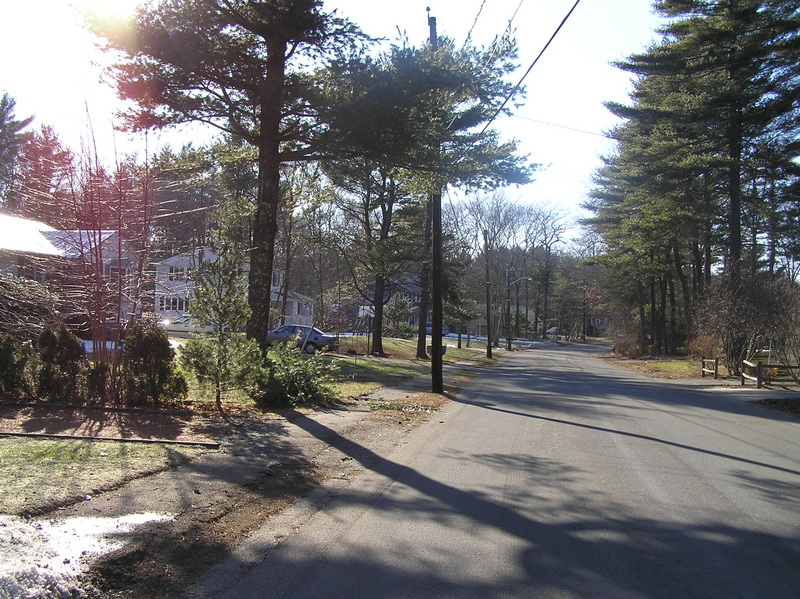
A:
x,y
678,367
358,374
40,474
406,349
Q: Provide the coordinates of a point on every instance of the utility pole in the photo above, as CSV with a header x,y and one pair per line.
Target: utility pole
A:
x,y
488,290
508,309
437,377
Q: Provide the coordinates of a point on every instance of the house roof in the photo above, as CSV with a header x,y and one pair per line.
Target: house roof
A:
x,y
26,236
192,257
74,244
291,296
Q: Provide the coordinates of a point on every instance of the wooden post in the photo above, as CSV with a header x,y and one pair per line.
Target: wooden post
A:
x,y
715,372
758,375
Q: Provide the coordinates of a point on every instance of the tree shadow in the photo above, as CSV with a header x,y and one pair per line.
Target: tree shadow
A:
x,y
559,544
572,547
99,422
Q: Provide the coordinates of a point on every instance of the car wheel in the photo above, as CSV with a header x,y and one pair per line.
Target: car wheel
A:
x,y
310,348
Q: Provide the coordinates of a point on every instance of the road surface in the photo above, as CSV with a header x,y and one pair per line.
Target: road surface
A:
x,y
557,475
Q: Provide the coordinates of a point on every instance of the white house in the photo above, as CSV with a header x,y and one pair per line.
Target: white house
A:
x,y
82,248
174,288
72,260
22,246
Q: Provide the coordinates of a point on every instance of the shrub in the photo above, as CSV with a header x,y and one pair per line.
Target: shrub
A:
x,y
222,362
148,362
704,346
290,378
59,366
627,347
98,381
12,365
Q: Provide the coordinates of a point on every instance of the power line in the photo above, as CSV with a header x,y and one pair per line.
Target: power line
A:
x,y
475,22
530,68
514,16
606,135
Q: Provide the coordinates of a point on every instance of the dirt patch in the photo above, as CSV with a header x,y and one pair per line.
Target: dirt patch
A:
x,y
164,558
788,405
99,423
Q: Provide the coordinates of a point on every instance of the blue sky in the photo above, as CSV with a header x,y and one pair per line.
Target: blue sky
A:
x,y
52,69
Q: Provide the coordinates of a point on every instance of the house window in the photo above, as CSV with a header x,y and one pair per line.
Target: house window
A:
x,y
176,304
177,273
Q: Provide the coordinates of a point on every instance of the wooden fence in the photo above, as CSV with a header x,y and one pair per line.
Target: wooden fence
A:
x,y
753,371
704,367
764,373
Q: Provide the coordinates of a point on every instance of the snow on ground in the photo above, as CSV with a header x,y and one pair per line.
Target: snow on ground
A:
x,y
43,558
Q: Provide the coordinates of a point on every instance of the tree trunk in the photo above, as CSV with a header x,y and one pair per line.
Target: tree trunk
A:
x,y
262,253
735,199
377,321
546,292
688,297
287,266
642,317
663,343
265,220
673,318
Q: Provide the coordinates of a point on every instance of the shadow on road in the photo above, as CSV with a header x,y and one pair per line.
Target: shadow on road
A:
x,y
598,551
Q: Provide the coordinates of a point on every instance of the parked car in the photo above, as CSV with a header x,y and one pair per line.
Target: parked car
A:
x,y
311,339
185,326
445,329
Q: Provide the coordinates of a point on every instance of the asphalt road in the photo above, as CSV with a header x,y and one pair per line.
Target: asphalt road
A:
x,y
556,475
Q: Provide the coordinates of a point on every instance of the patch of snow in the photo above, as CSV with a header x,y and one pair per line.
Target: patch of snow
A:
x,y
533,344
43,558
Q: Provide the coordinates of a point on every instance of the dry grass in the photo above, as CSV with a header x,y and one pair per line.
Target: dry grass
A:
x,y
41,474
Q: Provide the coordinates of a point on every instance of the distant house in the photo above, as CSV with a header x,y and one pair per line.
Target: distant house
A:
x,y
92,271
92,252
24,246
30,248
174,288
596,325
299,308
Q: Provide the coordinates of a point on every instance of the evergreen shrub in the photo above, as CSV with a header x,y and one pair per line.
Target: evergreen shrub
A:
x,y
291,378
59,366
12,365
149,369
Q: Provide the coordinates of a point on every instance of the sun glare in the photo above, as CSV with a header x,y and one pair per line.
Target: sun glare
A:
x,y
110,10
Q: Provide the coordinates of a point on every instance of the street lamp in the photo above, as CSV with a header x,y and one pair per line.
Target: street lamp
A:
x,y
508,305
